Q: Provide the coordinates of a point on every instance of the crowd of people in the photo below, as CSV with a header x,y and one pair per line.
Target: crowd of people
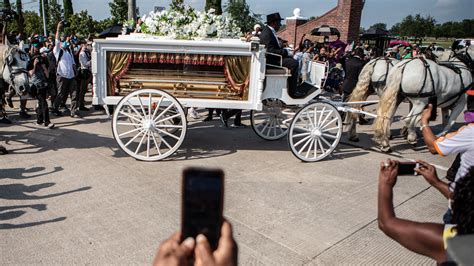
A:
x,y
59,67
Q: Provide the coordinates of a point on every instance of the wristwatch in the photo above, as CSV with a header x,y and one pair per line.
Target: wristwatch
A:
x,y
423,126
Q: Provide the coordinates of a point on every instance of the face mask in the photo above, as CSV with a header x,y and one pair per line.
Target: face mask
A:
x,y
65,45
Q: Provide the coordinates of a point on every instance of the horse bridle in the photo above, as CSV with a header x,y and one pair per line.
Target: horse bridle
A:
x,y
14,72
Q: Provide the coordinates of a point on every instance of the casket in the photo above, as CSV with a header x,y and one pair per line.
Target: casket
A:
x,y
204,73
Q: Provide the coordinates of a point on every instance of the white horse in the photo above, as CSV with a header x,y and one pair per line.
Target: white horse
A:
x,y
418,79
374,74
13,66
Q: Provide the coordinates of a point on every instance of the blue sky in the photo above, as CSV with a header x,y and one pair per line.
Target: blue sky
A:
x,y
386,11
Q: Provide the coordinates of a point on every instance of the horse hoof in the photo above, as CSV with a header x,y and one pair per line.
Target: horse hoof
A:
x,y
385,149
404,132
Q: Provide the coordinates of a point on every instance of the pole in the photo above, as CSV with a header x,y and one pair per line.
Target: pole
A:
x,y
44,19
132,10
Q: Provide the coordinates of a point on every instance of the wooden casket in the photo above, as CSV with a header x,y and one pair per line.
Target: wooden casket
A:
x,y
207,73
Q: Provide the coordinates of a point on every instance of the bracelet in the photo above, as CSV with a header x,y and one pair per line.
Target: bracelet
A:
x,y
423,126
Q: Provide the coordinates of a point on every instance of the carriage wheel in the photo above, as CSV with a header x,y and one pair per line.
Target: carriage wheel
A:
x,y
269,123
149,124
315,132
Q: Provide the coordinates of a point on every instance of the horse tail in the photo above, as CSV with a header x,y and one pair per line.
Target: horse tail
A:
x,y
388,102
360,92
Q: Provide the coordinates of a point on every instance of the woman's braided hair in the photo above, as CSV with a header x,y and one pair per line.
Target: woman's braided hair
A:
x,y
463,206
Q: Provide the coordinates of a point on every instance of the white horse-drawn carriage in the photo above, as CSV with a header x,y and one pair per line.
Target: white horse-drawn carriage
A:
x,y
151,81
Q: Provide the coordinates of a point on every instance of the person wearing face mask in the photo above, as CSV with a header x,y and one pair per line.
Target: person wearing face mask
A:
x,y
66,72
84,73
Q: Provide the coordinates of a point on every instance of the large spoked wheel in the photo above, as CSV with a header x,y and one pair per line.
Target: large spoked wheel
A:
x,y
149,124
315,132
271,122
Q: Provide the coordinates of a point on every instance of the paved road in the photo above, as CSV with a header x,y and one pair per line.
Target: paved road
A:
x,y
70,195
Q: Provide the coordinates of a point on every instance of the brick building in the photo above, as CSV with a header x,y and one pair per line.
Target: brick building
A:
x,y
346,17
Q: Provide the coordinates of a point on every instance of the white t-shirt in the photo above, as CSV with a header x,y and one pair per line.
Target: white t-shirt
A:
x,y
66,65
461,141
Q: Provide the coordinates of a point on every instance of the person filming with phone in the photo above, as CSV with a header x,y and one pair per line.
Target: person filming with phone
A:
x,y
205,237
428,239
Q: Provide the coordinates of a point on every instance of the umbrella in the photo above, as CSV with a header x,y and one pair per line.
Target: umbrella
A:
x,y
398,42
325,30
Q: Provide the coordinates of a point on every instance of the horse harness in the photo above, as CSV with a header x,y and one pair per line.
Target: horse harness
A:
x,y
456,69
388,62
13,72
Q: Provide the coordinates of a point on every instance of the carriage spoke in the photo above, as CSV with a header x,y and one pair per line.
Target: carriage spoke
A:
x,y
325,141
130,116
156,144
164,112
310,148
329,123
265,127
275,127
148,145
134,109
140,144
321,146
305,145
149,105
329,129
134,138
310,120
128,132
326,118
141,105
321,116
169,126
315,149
168,134
302,140
329,136
128,124
301,135
157,107
164,141
168,118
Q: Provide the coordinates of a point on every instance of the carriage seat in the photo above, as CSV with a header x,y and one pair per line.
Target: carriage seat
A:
x,y
274,70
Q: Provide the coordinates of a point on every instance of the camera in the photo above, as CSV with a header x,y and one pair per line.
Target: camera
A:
x,y
7,15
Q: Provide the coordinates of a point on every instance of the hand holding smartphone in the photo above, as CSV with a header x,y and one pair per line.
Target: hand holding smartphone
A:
x,y
408,168
202,204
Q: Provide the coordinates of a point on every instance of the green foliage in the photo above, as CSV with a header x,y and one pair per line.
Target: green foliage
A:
x,y
216,4
240,12
104,24
32,24
416,26
6,4
118,10
54,15
82,24
20,19
68,11
379,25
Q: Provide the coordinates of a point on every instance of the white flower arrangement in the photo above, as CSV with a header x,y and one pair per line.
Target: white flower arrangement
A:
x,y
183,22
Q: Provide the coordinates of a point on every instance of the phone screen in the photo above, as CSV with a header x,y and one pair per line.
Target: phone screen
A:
x,y
203,191
407,168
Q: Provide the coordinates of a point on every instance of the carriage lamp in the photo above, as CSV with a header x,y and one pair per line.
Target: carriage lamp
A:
x,y
254,47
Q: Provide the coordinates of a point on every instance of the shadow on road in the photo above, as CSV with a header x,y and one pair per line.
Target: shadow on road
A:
x,y
19,173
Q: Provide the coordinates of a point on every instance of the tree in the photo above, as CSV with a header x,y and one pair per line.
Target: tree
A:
x,y
20,20
68,11
416,26
6,4
82,23
240,12
382,26
216,4
33,23
46,8
54,15
118,10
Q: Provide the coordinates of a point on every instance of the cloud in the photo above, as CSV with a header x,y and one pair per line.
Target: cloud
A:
x,y
446,3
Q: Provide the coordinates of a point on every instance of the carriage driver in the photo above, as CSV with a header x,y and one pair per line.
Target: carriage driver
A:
x,y
269,38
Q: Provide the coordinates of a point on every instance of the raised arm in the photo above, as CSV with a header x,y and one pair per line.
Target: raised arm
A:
x,y
428,135
423,238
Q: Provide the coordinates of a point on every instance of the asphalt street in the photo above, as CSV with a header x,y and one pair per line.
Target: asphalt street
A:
x,y
71,196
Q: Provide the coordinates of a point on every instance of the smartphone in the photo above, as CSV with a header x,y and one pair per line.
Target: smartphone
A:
x,y
407,168
433,100
202,204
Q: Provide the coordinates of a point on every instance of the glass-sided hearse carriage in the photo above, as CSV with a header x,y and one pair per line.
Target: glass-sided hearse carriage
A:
x,y
151,81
